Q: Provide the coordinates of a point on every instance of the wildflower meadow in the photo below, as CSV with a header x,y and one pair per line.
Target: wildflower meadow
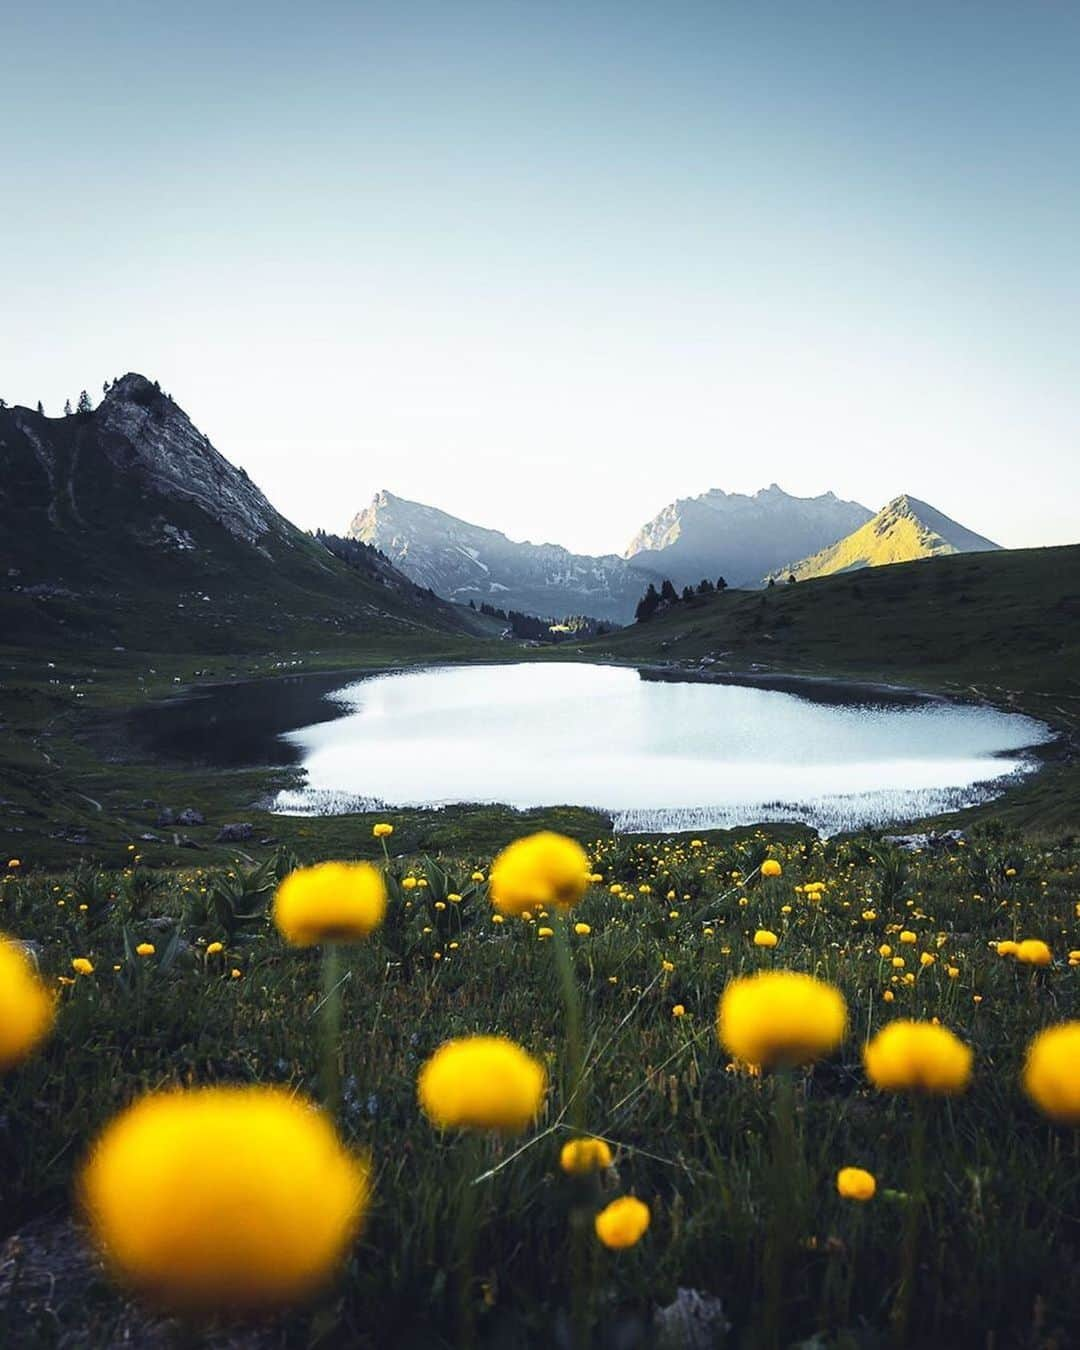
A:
x,y
617,1092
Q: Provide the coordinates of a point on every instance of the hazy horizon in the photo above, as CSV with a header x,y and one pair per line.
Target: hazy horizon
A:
x,y
549,269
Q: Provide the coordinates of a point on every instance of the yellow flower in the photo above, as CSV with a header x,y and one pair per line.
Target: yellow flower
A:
x,y
908,937
382,830
477,876
497,918
927,959
771,868
1052,1072
678,1010
26,1006
763,938
917,1057
223,1198
408,883
331,902
623,1222
81,966
215,949
780,1018
588,1154
145,949
235,974
853,1183
884,950
1033,952
481,1083
888,996
545,932
1008,948
582,929
540,869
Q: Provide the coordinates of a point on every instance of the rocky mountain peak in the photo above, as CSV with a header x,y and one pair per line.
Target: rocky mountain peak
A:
x,y
143,432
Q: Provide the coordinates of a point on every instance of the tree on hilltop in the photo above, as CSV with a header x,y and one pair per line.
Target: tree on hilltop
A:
x,y
85,405
647,605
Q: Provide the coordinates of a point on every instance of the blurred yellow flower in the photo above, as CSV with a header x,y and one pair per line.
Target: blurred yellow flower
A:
x,y
215,949
771,868
623,1222
408,883
908,937
145,949
780,1018
678,1010
330,902
763,938
853,1183
481,1083
382,830
587,1154
545,933
917,1057
582,929
81,966
1033,952
540,869
26,1006
1052,1072
223,1198
1008,948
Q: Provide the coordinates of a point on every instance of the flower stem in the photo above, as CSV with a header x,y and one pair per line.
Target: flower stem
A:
x,y
575,1041
916,1198
581,1267
786,1191
330,1028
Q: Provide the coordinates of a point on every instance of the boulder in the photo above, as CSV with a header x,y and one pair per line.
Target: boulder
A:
x,y
236,833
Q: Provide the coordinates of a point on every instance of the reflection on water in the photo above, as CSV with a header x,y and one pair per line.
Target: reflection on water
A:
x,y
657,755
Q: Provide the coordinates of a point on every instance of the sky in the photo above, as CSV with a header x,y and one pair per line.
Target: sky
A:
x,y
549,266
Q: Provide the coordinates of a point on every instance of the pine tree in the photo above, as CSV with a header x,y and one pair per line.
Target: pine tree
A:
x,y
647,605
706,587
85,405
40,408
688,592
721,584
67,407
668,592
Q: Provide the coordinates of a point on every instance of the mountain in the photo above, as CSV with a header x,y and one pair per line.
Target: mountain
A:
x,y
739,537
467,562
903,531
125,526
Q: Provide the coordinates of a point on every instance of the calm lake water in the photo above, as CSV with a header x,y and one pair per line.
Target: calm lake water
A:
x,y
655,754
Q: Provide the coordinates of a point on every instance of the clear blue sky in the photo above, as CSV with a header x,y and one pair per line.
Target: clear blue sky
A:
x,y
550,265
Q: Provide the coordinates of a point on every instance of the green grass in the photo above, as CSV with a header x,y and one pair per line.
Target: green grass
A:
x,y
999,1252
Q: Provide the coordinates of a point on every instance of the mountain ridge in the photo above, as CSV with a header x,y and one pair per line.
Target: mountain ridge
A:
x,y
906,529
464,561
124,522
740,536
